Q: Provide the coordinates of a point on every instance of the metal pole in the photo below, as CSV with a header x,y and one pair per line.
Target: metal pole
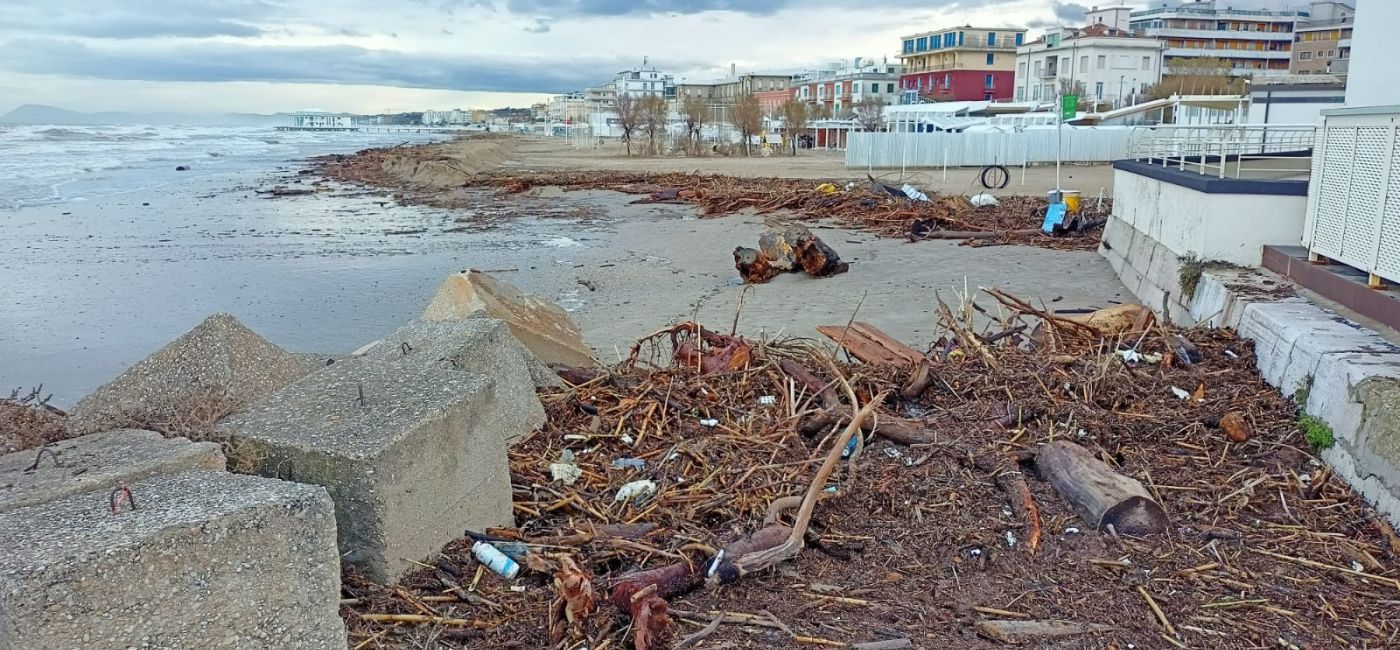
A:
x,y
1059,129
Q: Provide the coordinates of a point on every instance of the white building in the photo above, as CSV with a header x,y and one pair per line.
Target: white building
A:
x,y
454,116
1253,42
1112,69
1110,17
321,120
644,82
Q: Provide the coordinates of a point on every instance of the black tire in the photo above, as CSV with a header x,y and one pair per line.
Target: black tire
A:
x,y
995,177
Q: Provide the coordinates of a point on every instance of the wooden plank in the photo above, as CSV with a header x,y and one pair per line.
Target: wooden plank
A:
x,y
907,353
867,343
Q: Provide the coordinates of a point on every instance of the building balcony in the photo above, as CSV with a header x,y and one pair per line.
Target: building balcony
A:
x,y
1201,52
1168,32
1048,74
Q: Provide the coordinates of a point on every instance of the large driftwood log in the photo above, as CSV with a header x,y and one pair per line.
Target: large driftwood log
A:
x,y
1038,632
1100,494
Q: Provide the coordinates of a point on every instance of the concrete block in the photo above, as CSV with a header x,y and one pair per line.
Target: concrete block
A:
x,y
98,462
206,560
481,345
409,454
542,326
220,356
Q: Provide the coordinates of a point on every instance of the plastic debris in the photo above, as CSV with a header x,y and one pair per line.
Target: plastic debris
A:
x,y
498,562
913,193
627,439
709,422
1010,539
1180,394
826,188
635,490
767,400
850,447
629,463
565,471
1133,356
983,200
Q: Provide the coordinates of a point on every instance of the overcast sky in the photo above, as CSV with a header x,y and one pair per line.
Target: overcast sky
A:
x,y
369,55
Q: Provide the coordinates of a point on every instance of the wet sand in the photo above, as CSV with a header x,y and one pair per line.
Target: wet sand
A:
x,y
89,293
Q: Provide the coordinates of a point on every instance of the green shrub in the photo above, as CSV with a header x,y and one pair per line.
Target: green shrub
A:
x,y
1316,432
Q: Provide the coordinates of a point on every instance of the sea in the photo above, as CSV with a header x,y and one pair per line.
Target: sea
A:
x,y
47,164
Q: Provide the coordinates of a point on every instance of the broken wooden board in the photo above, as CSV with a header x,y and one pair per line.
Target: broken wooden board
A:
x,y
1017,632
867,343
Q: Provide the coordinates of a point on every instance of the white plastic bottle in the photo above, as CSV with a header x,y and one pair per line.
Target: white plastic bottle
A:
x,y
495,560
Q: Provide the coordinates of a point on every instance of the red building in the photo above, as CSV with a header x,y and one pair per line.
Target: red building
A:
x,y
961,63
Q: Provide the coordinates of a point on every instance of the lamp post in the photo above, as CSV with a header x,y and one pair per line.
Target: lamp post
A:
x,y
1119,100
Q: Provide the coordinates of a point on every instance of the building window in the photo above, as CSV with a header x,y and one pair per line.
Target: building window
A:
x,y
889,88
921,44
874,88
1083,64
992,39
908,46
949,39
947,81
960,38
988,81
1146,63
1098,90
1020,38
1305,56
1102,62
991,58
1331,53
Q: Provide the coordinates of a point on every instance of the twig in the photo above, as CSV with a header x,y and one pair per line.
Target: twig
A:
x,y
1166,624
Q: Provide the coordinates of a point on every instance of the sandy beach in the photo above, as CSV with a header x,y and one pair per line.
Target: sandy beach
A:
x,y
97,285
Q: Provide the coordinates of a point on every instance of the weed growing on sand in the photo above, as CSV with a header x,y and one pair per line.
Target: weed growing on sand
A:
x,y
196,418
28,421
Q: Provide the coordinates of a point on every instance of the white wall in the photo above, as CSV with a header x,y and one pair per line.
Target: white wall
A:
x,y
1373,79
1122,69
1301,113
1226,227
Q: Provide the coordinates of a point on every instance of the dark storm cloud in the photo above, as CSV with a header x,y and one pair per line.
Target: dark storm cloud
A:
x,y
339,64
146,19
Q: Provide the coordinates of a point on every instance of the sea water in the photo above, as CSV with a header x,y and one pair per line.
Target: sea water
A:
x,y
45,164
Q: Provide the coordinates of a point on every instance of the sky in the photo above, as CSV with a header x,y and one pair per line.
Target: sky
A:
x,y
366,56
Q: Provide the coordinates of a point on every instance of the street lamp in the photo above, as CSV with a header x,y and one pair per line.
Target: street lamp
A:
x,y
1119,100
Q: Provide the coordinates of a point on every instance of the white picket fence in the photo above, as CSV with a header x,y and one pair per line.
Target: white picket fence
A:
x,y
943,149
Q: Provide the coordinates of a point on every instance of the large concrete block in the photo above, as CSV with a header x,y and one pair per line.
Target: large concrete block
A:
x,y
220,356
409,454
206,560
97,462
478,345
544,327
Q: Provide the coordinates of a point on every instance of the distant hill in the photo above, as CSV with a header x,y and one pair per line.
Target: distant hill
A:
x,y
41,114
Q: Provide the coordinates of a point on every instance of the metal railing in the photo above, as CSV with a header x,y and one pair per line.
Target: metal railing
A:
x,y
1227,150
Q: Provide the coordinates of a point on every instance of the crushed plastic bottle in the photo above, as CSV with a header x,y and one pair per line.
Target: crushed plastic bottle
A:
x,y
498,562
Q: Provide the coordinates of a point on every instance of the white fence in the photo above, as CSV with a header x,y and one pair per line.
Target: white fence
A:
x,y
943,149
1354,199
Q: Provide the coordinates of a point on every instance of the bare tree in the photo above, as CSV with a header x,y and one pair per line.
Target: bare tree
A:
x,y
747,115
794,114
870,112
654,111
1204,76
629,117
695,111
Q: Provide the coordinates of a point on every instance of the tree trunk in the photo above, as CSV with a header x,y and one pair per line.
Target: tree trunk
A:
x,y
1100,494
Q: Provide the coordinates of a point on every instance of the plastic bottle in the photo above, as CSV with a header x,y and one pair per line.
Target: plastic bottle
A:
x,y
495,560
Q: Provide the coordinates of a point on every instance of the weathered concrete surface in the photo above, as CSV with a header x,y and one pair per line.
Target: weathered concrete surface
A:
x,y
542,326
98,462
207,560
218,356
483,346
410,455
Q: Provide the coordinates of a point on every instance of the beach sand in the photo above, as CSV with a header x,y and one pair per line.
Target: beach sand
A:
x,y
91,292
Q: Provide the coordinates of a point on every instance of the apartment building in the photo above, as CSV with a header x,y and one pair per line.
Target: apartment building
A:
x,y
960,63
728,89
836,88
645,81
1251,42
1099,63
1322,45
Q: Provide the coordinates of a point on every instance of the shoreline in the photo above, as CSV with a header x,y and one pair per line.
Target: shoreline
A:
x,y
101,288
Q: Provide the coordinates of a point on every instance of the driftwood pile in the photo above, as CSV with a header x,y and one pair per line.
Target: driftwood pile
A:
x,y
866,205
790,249
1039,480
